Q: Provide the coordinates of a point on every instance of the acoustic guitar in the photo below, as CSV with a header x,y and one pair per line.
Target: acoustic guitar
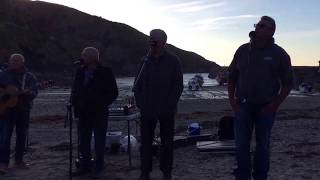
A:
x,y
8,98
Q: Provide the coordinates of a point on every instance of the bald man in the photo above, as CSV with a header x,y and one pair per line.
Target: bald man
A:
x,y
157,90
94,89
25,82
260,79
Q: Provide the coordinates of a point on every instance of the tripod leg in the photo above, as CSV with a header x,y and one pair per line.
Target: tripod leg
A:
x,y
27,139
78,142
70,141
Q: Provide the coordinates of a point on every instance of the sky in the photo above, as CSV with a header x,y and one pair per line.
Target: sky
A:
x,y
215,29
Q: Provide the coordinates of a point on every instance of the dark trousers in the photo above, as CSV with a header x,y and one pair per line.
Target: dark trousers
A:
x,y
97,124
20,119
148,125
248,118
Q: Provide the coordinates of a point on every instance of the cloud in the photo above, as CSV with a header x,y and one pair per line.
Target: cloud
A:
x,y
224,18
180,5
197,8
192,6
222,22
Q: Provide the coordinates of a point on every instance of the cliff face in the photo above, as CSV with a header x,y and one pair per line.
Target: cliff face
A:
x,y
52,36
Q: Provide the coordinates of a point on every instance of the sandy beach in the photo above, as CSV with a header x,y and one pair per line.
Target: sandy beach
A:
x,y
295,152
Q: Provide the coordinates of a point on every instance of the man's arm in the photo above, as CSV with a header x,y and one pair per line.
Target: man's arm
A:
x,y
32,88
284,92
231,95
274,105
232,81
177,86
286,79
112,93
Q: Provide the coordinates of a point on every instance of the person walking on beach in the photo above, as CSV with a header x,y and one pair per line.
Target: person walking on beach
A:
x,y
259,81
157,89
94,89
24,85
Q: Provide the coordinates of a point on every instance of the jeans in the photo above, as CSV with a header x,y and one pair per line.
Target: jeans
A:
x,y
92,123
247,119
148,125
20,119
6,128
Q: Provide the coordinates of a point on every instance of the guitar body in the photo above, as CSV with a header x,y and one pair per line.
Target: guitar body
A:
x,y
8,98
12,102
3,108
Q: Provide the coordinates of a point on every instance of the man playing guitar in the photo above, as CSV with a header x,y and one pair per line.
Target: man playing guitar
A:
x,y
19,88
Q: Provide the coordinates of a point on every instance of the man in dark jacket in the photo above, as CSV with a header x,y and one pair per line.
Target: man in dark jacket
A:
x,y
259,81
94,89
157,90
25,85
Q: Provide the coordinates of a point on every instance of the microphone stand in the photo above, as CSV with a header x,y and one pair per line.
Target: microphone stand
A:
x,y
134,88
69,117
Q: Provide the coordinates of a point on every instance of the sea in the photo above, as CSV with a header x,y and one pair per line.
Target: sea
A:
x,y
128,81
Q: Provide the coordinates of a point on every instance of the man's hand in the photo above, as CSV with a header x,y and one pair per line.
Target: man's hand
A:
x,y
274,105
270,108
234,105
27,92
232,99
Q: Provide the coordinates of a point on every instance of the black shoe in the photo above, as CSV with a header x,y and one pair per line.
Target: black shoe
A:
x,y
167,176
81,172
144,176
97,173
3,169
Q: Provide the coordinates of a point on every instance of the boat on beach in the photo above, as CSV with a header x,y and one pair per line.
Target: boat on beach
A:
x,y
195,83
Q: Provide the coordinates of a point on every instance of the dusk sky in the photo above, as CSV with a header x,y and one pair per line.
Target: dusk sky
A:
x,y
215,29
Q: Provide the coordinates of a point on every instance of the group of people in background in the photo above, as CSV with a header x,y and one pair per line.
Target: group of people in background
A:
x,y
260,78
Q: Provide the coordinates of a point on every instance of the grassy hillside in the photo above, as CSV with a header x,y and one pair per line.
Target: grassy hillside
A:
x,y
52,36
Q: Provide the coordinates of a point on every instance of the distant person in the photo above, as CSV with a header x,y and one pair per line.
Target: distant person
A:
x,y
157,90
24,84
260,79
94,89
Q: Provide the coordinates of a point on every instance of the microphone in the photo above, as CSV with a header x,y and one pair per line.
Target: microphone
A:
x,y
147,56
252,34
3,67
78,62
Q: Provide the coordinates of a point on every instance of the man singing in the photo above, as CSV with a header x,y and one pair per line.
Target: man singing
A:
x,y
157,90
94,89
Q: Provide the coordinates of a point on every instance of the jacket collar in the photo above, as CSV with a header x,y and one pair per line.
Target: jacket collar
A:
x,y
163,53
99,66
255,44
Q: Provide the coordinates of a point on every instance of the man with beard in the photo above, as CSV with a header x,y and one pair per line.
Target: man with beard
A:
x,y
259,81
